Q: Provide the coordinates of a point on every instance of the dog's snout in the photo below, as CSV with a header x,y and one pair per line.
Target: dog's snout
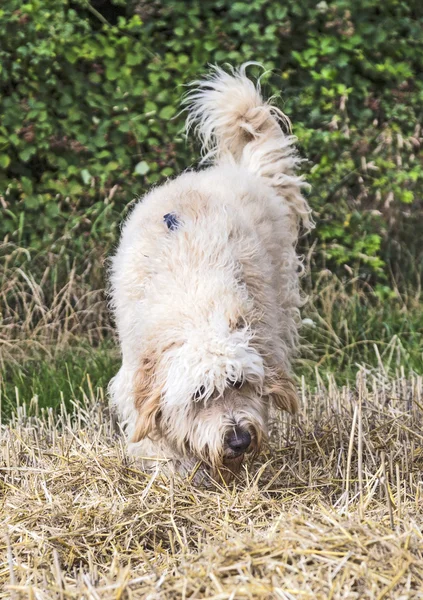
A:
x,y
238,440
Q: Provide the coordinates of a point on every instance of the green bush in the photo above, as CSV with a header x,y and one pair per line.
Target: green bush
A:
x,y
89,104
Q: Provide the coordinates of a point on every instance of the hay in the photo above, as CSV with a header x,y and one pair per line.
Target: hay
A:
x,y
332,510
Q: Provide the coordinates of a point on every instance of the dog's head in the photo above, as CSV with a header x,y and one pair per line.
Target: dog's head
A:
x,y
207,396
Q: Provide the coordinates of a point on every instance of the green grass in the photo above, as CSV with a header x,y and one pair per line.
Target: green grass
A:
x,y
347,324
56,338
342,330
65,376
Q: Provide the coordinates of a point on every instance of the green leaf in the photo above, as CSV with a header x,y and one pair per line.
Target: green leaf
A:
x,y
26,154
4,161
27,186
167,171
32,202
133,59
141,168
86,176
167,112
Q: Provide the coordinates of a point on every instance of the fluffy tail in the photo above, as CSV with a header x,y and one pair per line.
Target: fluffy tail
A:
x,y
236,125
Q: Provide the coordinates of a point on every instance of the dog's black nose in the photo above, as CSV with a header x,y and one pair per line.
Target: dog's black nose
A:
x,y
238,440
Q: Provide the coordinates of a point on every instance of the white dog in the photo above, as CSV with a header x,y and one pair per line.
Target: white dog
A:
x,y
205,288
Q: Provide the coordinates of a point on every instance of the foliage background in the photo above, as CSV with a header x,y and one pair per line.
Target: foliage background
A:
x,y
90,96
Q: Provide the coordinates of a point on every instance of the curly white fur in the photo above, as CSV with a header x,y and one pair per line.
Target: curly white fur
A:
x,y
215,300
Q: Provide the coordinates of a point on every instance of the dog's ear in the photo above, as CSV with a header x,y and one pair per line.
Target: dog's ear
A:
x,y
281,389
147,400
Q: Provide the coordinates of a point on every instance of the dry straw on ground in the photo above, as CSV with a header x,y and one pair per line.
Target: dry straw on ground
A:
x,y
332,510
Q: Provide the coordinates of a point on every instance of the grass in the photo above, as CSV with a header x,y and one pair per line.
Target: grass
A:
x,y
347,324
52,335
57,377
49,301
333,508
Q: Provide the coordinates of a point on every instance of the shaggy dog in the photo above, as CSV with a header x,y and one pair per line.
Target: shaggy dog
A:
x,y
205,288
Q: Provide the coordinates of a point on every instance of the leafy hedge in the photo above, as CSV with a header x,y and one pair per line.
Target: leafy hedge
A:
x,y
89,103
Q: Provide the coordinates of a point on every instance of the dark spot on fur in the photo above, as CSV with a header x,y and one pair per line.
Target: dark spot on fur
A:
x,y
171,221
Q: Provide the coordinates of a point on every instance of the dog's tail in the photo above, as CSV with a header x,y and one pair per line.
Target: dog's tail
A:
x,y
236,125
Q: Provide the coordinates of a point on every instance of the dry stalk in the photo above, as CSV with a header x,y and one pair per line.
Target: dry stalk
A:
x,y
81,520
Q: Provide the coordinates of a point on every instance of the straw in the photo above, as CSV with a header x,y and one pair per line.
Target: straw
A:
x,y
331,510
